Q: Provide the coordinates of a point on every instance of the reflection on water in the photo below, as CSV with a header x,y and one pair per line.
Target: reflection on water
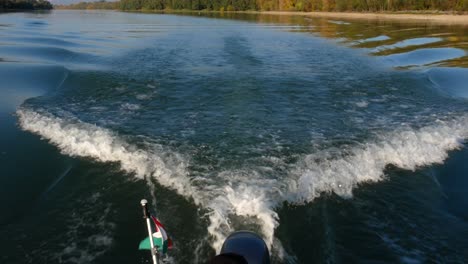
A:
x,y
378,38
381,37
424,56
432,48
407,43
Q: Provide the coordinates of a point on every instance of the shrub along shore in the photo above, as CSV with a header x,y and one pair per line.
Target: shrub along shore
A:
x,y
19,5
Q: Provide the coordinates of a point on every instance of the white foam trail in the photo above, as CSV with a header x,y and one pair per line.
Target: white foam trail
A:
x,y
76,138
245,200
85,140
254,194
406,149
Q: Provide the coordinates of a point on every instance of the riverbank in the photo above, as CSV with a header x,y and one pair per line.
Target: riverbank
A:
x,y
444,18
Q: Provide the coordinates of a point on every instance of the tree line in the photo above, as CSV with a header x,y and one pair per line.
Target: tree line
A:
x,y
91,5
25,5
279,5
297,5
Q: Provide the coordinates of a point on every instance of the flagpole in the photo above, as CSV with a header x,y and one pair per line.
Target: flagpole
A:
x,y
146,215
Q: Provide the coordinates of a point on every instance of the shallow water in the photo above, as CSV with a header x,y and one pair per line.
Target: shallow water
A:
x,y
337,141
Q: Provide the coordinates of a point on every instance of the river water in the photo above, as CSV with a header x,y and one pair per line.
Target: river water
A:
x,y
337,141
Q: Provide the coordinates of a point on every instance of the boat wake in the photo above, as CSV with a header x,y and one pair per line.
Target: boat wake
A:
x,y
405,148
251,193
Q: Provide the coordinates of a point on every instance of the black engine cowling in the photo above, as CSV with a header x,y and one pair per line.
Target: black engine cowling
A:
x,y
243,247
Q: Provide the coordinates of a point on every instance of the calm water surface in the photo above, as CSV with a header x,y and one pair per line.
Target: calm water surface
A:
x,y
337,141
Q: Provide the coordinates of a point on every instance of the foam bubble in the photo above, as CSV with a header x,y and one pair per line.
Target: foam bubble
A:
x,y
120,88
143,96
130,107
362,104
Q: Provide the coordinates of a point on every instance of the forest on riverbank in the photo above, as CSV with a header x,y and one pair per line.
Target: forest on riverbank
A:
x,y
6,5
91,5
279,5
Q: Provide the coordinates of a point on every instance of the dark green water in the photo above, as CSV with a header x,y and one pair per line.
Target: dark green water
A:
x,y
337,141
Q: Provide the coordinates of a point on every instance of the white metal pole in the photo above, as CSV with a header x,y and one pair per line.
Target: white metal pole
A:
x,y
146,214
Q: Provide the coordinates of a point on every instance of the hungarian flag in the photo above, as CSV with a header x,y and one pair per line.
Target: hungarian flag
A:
x,y
160,239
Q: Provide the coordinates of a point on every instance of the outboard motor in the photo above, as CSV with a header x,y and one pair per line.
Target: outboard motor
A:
x,y
243,247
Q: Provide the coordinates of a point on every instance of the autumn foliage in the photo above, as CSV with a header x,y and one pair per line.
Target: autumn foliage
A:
x,y
298,5
281,5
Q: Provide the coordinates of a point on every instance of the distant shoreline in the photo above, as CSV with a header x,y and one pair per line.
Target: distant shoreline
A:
x,y
2,11
444,18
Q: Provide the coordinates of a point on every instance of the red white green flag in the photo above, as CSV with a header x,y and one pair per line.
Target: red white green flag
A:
x,y
161,240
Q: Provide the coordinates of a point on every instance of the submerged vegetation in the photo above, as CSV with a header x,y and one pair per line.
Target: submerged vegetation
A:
x,y
25,5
